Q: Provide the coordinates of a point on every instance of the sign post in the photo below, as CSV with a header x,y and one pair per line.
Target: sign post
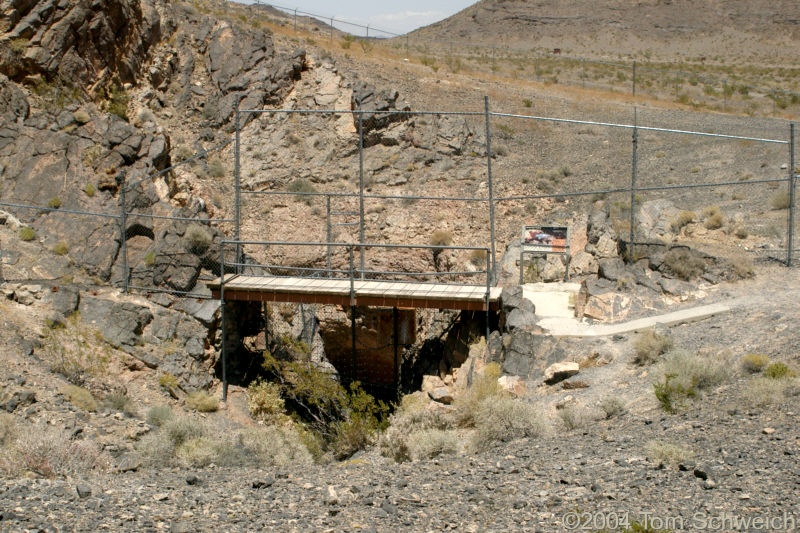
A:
x,y
543,240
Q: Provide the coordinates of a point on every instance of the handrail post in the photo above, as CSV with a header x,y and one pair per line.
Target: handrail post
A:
x,y
328,232
353,374
222,318
488,294
790,236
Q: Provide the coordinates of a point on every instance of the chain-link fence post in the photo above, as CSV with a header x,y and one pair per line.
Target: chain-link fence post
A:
x,y
328,231
361,187
633,186
634,79
123,231
790,236
236,188
489,179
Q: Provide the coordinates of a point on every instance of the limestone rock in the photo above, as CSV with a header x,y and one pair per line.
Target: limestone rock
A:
x,y
513,384
560,371
441,395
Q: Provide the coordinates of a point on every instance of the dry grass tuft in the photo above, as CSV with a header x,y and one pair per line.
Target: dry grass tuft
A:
x,y
649,346
663,452
202,402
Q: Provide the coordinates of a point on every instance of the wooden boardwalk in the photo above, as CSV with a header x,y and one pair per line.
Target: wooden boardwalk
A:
x,y
373,293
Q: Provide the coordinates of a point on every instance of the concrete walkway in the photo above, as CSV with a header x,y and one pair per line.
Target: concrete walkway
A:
x,y
571,327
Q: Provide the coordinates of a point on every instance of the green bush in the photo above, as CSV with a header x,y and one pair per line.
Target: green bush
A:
x,y
778,370
527,102
754,363
150,259
168,381
61,248
54,203
649,346
117,401
118,102
90,190
202,402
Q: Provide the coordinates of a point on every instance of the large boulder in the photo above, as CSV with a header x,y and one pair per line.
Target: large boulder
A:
x,y
121,323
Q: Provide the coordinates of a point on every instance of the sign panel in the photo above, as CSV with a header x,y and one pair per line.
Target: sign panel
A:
x,y
545,239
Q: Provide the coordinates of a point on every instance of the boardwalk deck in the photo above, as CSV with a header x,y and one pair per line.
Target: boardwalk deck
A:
x,y
376,293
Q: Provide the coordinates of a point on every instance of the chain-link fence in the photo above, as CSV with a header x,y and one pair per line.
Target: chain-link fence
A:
x,y
509,169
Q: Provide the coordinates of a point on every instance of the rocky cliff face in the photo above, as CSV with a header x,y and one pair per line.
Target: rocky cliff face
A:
x,y
85,42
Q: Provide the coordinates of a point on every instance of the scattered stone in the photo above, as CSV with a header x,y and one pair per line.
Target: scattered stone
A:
x,y
768,431
266,482
572,385
129,462
84,491
560,371
513,384
192,479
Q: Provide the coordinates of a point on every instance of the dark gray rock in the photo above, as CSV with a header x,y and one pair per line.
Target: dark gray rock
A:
x,y
19,399
13,104
84,491
65,300
613,269
121,323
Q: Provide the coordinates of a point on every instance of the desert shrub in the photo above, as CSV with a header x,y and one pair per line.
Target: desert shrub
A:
x,y
80,397
118,102
441,238
484,386
8,428
201,451
81,116
429,443
478,258
754,363
90,190
671,394
612,407
197,239
304,187
573,417
649,346
684,264
216,168
682,219
264,402
740,232
778,370
48,452
168,381
26,233
780,200
75,351
60,248
117,401
763,391
54,202
347,41
701,371
159,415
713,217
275,446
150,259
411,418
180,430
339,420
500,419
742,267
202,402
664,452
527,102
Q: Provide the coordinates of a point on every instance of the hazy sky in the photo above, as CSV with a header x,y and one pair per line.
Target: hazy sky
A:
x,y
397,17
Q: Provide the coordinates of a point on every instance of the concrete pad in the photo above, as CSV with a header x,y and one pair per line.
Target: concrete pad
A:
x,y
571,327
552,299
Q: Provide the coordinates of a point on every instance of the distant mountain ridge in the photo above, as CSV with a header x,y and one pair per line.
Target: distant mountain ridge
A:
x,y
721,30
